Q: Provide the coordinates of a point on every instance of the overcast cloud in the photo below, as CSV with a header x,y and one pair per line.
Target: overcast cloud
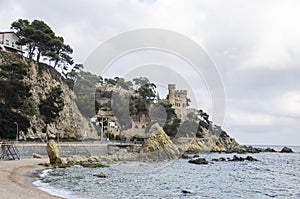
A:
x,y
255,45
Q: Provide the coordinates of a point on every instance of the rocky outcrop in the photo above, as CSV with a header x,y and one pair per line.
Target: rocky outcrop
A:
x,y
240,159
250,149
199,161
70,122
270,150
286,150
159,145
53,153
235,158
208,144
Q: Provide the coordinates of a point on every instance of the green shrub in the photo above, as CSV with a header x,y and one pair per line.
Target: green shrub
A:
x,y
52,105
7,122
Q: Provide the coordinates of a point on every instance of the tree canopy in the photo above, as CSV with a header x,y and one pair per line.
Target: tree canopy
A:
x,y
41,40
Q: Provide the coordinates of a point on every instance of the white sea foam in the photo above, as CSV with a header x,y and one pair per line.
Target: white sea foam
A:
x,y
46,187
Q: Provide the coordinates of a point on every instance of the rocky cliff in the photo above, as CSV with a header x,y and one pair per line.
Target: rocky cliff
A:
x,y
210,142
45,104
159,145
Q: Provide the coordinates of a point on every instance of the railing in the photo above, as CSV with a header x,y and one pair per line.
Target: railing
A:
x,y
9,152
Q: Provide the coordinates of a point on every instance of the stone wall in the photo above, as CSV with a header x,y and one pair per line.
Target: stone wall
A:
x,y
114,148
27,150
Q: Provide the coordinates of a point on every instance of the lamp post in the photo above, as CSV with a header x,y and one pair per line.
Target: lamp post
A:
x,y
17,135
102,130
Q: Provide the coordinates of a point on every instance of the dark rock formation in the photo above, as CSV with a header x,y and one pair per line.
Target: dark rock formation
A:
x,y
236,158
186,191
240,159
100,175
250,158
286,150
93,165
271,150
198,161
222,159
185,156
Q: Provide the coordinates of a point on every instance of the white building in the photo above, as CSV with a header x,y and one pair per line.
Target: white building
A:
x,y
8,42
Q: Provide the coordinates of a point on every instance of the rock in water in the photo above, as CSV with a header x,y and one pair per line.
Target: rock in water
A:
x,y
198,161
286,150
100,175
53,153
236,158
185,191
250,158
185,156
240,159
271,150
159,146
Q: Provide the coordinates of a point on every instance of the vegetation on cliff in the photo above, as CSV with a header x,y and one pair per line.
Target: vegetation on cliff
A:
x,y
51,106
15,103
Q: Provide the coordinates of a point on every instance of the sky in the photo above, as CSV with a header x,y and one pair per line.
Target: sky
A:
x,y
254,45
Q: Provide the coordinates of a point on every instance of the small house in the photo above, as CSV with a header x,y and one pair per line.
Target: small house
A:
x,y
8,42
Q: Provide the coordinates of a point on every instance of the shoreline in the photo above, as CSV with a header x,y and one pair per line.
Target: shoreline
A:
x,y
16,179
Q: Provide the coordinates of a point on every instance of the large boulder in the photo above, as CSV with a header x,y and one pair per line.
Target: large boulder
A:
x,y
286,150
271,150
159,146
100,175
53,153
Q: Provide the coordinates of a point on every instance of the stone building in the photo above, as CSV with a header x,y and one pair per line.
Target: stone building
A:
x,y
178,99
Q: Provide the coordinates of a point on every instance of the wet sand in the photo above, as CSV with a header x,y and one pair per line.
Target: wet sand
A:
x,y
15,181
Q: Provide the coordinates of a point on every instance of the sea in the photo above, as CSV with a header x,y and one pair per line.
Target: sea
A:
x,y
275,175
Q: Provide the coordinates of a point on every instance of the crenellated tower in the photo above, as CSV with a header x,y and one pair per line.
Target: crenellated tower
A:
x,y
178,99
171,97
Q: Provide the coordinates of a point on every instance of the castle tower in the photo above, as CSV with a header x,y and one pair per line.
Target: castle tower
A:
x,y
178,100
171,98
180,103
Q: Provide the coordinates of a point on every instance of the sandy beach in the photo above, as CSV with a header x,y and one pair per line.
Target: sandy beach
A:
x,y
15,183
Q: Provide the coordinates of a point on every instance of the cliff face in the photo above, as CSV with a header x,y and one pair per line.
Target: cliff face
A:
x,y
159,145
48,104
70,122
